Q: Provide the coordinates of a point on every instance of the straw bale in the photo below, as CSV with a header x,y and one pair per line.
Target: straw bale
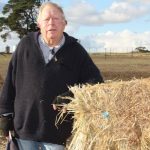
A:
x,y
111,116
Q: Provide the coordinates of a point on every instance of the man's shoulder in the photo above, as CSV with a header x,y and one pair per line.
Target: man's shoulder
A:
x,y
33,35
29,37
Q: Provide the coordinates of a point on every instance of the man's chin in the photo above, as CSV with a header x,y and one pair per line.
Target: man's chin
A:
x,y
51,37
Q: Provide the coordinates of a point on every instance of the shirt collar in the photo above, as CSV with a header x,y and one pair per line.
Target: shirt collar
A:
x,y
61,43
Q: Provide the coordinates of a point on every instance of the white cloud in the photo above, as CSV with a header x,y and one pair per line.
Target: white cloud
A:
x,y
123,11
72,28
124,41
139,1
85,13
82,13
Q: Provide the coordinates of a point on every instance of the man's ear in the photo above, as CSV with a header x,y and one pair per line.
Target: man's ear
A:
x,y
38,24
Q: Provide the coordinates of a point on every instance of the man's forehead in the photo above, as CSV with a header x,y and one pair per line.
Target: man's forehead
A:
x,y
51,14
51,10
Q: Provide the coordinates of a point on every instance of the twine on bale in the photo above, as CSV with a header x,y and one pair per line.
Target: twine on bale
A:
x,y
111,116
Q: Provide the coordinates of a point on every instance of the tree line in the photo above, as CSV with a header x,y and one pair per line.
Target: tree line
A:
x,y
19,16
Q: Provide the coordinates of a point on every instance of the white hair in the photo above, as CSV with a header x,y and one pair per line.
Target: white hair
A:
x,y
50,4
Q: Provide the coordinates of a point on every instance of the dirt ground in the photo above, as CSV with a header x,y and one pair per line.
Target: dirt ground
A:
x,y
2,143
112,67
123,66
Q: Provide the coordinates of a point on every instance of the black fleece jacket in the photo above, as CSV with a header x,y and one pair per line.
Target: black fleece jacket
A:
x,y
31,86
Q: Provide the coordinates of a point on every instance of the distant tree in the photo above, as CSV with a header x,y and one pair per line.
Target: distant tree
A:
x,y
19,16
142,49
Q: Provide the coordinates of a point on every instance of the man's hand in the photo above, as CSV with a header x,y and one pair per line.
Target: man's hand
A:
x,y
61,101
63,98
54,106
6,124
59,107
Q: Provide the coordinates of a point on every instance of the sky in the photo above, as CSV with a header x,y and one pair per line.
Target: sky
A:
x,y
104,25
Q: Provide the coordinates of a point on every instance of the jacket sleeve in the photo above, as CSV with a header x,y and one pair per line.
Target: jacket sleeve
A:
x,y
89,73
59,100
8,90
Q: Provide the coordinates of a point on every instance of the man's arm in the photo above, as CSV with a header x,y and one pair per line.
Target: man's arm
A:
x,y
7,101
89,73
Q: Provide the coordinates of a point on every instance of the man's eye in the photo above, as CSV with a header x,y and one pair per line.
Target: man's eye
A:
x,y
54,19
46,19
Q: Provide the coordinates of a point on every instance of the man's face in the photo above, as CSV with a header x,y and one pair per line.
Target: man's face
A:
x,y
51,23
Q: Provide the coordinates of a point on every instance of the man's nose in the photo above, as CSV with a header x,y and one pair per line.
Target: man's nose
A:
x,y
51,21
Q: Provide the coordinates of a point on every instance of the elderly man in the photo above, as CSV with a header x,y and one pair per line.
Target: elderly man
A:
x,y
44,64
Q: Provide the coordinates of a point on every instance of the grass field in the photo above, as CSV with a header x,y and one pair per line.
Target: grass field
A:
x,y
123,66
113,67
4,60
